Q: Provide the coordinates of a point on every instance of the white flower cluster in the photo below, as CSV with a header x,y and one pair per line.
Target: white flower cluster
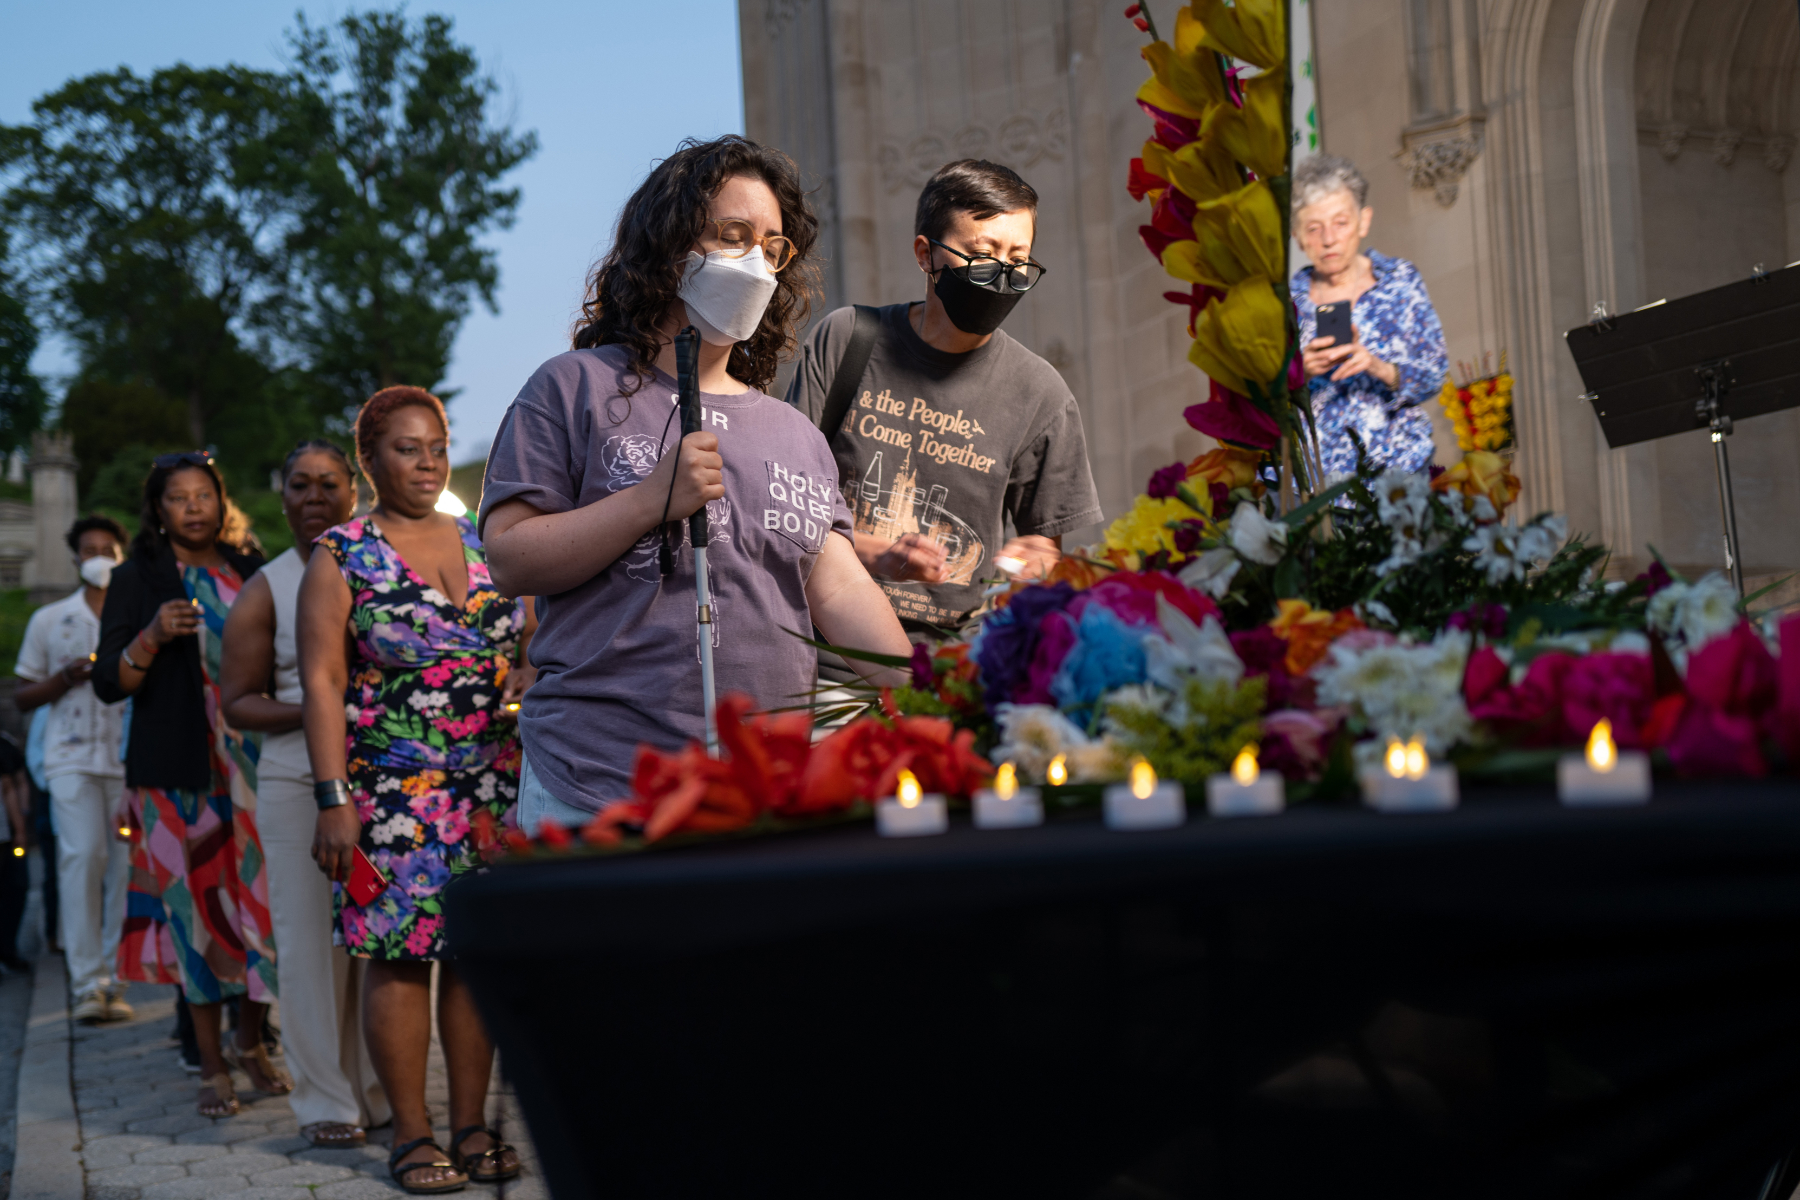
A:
x,y
1033,734
1694,613
1255,537
1504,553
1402,690
1404,500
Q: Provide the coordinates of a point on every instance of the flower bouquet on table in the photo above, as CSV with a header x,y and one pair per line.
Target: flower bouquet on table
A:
x,y
1480,410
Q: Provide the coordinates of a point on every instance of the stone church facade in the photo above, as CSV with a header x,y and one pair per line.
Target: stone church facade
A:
x,y
1533,157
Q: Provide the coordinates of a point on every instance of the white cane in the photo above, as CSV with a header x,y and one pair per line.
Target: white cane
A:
x,y
687,363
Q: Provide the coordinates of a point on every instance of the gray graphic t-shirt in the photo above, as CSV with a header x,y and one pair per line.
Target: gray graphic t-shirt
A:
x,y
618,657
950,446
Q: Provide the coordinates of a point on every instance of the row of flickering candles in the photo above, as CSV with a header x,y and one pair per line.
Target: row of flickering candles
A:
x,y
1406,782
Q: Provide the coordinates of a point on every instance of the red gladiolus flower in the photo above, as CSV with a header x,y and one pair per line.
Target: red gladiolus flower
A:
x,y
1231,418
1143,25
553,836
1133,10
1142,181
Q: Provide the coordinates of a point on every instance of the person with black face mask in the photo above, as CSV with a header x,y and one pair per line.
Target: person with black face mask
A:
x,y
944,428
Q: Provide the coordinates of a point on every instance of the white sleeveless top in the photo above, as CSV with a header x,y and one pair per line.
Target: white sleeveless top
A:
x,y
284,754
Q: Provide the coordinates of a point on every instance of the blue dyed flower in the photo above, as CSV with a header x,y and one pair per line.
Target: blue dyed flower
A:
x,y
1108,654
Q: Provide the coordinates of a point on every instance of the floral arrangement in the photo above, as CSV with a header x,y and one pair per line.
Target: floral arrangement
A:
x,y
1480,410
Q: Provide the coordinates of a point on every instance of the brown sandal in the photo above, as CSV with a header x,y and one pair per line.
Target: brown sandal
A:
x,y
255,1063
484,1166
335,1135
399,1173
224,1102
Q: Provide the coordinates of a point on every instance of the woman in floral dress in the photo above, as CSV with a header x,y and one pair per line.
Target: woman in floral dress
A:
x,y
197,906
407,654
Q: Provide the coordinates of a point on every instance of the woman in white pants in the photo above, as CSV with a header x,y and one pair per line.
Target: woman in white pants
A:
x,y
336,1097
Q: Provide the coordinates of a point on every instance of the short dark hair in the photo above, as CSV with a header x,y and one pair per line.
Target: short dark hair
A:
x,y
372,421
976,186
92,522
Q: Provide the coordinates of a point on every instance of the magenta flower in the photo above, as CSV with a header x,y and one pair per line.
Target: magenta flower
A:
x,y
1166,479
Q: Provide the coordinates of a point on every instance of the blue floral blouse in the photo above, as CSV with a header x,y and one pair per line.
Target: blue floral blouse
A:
x,y
1398,325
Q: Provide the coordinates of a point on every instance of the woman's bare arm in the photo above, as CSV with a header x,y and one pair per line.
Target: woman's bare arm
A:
x,y
852,611
534,553
324,615
247,663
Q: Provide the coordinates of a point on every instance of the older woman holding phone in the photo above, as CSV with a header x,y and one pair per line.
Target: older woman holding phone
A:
x,y
1374,349
336,1096
197,905
409,658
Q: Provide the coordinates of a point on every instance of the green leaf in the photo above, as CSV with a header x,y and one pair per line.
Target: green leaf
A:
x,y
1759,593
1318,502
868,656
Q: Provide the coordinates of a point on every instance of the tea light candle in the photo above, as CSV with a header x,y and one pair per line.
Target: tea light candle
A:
x,y
1605,775
1409,782
1246,792
908,813
1057,773
1006,805
1009,564
1144,802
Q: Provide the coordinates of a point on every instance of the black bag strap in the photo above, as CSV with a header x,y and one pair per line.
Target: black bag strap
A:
x,y
850,369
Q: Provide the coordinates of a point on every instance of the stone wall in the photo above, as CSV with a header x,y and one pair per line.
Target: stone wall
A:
x,y
1517,151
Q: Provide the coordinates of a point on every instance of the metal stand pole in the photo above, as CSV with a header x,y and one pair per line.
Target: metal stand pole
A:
x,y
708,690
1714,381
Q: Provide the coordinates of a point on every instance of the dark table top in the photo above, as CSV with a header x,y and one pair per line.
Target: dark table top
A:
x,y
1512,998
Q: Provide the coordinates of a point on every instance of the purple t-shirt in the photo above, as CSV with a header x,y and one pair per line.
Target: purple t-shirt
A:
x,y
618,657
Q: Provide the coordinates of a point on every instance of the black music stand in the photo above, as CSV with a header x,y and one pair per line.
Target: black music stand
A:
x,y
1696,363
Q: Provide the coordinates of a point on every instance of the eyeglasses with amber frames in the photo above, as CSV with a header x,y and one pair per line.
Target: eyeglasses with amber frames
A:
x,y
737,238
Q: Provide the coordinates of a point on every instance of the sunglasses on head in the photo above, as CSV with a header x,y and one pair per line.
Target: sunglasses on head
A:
x,y
184,458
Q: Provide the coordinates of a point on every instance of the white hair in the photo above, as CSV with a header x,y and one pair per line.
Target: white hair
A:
x,y
1324,175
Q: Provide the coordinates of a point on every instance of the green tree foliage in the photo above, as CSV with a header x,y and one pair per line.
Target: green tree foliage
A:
x,y
404,178
242,256
157,210
21,392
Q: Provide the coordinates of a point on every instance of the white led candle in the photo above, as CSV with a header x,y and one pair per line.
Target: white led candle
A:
x,y
1006,805
1605,774
910,813
1144,802
1409,782
1247,791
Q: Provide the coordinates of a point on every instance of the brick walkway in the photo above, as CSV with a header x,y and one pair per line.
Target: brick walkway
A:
x,y
142,1139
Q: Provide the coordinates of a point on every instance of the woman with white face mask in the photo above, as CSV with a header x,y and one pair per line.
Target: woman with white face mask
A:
x,y
590,464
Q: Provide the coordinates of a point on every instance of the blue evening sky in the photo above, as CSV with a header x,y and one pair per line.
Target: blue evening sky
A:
x,y
608,86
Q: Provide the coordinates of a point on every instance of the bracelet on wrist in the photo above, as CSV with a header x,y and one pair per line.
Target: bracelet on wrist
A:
x,y
145,644
331,793
132,662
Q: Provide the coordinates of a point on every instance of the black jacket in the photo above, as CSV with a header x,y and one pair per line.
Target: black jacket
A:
x,y
169,744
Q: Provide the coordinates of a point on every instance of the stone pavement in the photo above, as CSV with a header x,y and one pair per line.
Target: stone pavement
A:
x,y
142,1140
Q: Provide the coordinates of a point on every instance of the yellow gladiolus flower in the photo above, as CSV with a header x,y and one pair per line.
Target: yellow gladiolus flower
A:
x,y
1192,73
1255,135
1242,338
1481,473
1144,529
1159,161
1202,169
1240,233
1254,30
1185,262
1228,465
1154,92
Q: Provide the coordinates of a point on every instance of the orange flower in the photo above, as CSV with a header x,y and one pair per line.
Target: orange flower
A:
x,y
422,784
1228,465
1481,473
1309,632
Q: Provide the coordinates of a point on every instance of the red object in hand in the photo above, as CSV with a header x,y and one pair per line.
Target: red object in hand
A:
x,y
366,880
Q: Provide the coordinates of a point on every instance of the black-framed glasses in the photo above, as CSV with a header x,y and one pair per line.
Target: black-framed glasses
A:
x,y
183,458
984,270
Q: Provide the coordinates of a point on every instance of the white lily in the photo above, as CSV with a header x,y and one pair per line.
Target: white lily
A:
x,y
1184,650
1212,571
1255,536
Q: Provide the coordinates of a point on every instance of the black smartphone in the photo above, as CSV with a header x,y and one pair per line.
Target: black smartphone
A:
x,y
1334,323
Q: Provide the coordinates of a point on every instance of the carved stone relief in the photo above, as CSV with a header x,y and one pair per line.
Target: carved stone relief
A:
x,y
1441,163
1021,140
1725,144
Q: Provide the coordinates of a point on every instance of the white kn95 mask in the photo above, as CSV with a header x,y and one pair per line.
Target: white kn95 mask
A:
x,y
725,295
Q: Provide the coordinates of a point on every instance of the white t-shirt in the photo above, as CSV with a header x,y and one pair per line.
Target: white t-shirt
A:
x,y
83,734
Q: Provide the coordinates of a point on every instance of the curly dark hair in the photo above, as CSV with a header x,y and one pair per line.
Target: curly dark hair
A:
x,y
92,522
234,526
632,289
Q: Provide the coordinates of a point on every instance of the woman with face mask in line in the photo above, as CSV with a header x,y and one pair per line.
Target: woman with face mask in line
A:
x,y
336,1096
590,465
